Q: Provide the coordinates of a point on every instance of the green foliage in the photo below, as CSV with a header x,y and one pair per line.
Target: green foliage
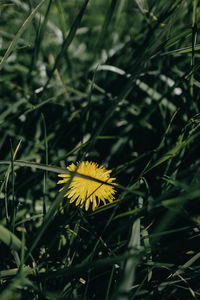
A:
x,y
115,82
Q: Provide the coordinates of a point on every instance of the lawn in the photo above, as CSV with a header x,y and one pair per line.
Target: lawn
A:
x,y
102,97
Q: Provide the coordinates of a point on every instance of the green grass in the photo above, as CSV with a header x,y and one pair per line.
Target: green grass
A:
x,y
115,82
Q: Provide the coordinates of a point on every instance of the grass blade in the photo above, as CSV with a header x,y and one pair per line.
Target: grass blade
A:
x,y
9,239
19,33
67,41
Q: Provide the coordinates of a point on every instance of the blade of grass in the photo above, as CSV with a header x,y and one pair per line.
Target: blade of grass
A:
x,y
67,42
51,26
191,261
192,62
65,171
12,208
45,191
180,145
183,50
19,33
104,30
9,239
38,41
10,109
130,264
70,272
5,182
107,297
47,220
63,24
5,274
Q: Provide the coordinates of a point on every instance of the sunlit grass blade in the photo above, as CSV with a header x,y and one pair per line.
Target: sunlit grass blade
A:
x,y
65,171
9,239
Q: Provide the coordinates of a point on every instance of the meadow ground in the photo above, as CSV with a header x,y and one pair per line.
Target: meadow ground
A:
x,y
116,83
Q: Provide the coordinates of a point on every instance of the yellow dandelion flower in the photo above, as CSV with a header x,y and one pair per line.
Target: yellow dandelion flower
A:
x,y
85,191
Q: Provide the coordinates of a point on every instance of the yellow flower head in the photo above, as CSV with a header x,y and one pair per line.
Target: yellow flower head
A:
x,y
84,190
